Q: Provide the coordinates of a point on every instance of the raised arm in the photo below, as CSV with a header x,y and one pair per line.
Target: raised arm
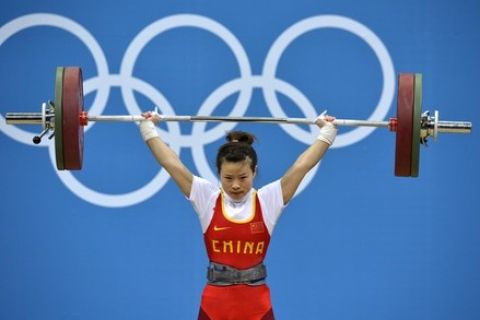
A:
x,y
168,159
309,158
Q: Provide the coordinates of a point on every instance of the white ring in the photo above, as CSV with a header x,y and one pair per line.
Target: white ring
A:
x,y
187,20
343,23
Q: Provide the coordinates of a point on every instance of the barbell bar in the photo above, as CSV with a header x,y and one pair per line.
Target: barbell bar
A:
x,y
36,118
66,117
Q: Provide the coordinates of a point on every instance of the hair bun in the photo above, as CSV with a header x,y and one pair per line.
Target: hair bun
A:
x,y
240,136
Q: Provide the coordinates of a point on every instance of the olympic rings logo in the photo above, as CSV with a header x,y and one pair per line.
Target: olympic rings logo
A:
x,y
244,85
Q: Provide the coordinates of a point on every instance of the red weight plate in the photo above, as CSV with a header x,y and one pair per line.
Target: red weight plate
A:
x,y
72,104
405,108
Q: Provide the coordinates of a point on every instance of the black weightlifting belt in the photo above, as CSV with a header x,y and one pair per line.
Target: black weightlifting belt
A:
x,y
223,275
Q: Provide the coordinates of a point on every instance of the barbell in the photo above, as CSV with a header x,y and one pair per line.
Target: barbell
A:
x,y
66,117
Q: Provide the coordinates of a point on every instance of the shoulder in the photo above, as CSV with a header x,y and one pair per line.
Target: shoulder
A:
x,y
271,195
202,182
271,201
203,188
270,189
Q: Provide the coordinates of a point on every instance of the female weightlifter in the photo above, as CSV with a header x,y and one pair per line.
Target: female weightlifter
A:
x,y
237,220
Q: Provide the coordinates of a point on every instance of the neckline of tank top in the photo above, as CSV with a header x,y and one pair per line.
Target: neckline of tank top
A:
x,y
237,203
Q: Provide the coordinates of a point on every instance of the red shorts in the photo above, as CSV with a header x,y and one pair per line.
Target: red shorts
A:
x,y
236,302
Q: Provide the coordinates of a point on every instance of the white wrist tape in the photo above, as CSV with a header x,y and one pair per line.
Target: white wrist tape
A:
x,y
148,130
328,133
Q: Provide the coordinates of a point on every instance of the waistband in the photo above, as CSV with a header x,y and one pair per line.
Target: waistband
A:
x,y
223,275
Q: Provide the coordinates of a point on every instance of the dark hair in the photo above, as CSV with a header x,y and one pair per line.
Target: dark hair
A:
x,y
237,148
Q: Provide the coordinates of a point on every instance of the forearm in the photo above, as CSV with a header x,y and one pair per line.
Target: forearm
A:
x,y
309,158
166,157
304,163
170,161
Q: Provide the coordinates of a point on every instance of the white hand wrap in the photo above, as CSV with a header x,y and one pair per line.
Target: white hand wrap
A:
x,y
148,130
328,131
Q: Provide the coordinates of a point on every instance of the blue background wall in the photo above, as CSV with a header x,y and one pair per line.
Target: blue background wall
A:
x,y
118,240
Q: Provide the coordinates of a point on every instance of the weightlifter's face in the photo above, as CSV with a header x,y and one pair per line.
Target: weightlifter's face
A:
x,y
236,178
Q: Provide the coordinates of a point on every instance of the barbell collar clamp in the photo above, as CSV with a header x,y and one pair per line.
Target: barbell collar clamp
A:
x,y
38,139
